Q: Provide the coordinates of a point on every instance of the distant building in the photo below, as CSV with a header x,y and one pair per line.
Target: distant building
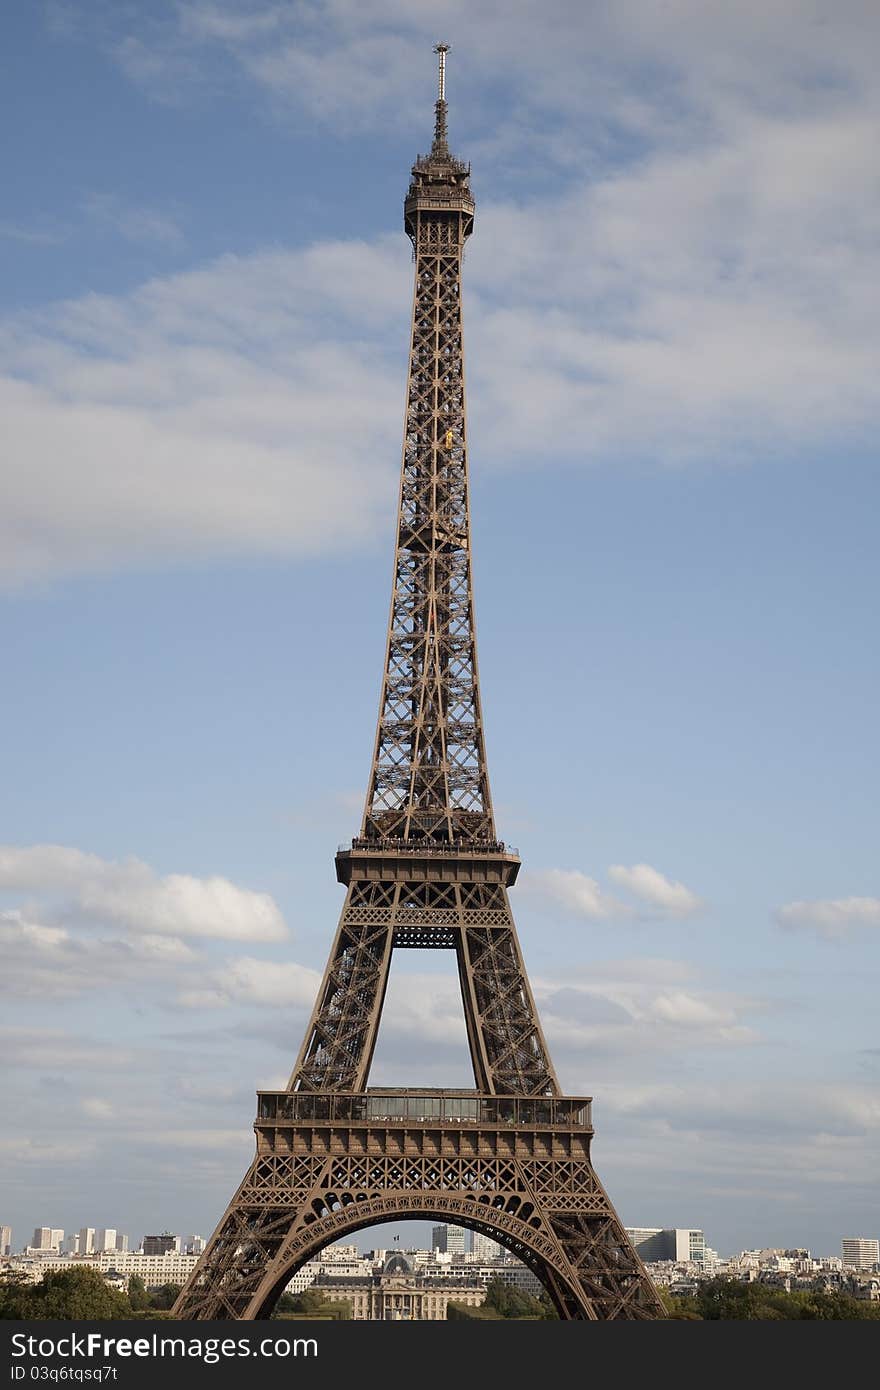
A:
x,y
87,1240
161,1245
5,1240
47,1238
338,1260
860,1253
195,1245
395,1292
121,1242
105,1240
70,1246
155,1270
484,1248
450,1240
340,1254
668,1243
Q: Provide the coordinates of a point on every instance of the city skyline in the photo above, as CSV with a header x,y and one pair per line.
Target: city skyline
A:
x,y
699,900
681,1245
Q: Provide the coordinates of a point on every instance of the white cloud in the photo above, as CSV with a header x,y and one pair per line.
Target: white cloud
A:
x,y
202,415
277,984
196,1139
698,281
690,1011
641,1007
53,962
422,1009
51,1048
833,918
131,895
769,1108
32,236
94,1108
138,224
583,896
648,884
574,891
211,907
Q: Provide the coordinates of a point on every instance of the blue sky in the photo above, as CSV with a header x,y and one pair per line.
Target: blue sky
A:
x,y
670,314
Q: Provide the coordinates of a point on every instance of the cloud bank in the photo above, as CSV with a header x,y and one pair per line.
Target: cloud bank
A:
x,y
73,887
684,270
581,896
834,918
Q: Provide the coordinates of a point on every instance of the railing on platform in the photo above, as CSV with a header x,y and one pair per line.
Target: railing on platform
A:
x,y
569,1112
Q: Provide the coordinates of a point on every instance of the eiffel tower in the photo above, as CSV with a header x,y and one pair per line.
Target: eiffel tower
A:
x,y
510,1158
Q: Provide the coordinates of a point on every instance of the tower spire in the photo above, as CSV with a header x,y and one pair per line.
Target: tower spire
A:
x,y
440,147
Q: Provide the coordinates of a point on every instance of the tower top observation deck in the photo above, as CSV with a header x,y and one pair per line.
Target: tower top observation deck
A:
x,y
439,181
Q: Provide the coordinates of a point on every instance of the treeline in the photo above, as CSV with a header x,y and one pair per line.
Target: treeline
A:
x,y
83,1293
502,1302
729,1299
312,1303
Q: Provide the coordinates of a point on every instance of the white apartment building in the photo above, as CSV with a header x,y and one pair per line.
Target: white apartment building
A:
x,y
484,1248
469,1271
667,1243
172,1268
336,1259
46,1238
87,1240
340,1254
859,1252
5,1240
105,1239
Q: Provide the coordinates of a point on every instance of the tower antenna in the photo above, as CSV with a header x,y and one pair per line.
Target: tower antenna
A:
x,y
441,49
440,146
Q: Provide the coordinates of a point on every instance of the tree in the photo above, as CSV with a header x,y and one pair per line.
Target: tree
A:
x,y
728,1299
165,1296
313,1303
78,1293
508,1302
549,1313
287,1303
464,1312
137,1293
15,1292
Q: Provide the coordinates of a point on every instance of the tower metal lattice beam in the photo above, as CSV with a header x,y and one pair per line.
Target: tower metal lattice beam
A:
x,y
427,871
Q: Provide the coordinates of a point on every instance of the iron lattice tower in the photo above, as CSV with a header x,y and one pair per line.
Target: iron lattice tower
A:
x,y
512,1157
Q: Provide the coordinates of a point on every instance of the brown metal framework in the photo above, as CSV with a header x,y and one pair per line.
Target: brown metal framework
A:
x,y
511,1158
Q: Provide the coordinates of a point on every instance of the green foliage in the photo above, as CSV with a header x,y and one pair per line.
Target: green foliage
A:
x,y
460,1312
78,1293
312,1303
82,1292
514,1303
723,1299
14,1295
137,1293
549,1313
164,1297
